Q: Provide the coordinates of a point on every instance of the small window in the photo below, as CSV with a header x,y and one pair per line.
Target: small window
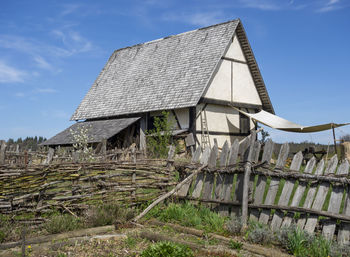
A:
x,y
244,124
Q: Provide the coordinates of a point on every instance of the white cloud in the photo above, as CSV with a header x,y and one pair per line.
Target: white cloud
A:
x,y
46,90
262,5
198,18
10,74
68,9
42,63
331,5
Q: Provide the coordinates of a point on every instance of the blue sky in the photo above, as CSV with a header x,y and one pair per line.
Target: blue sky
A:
x,y
52,51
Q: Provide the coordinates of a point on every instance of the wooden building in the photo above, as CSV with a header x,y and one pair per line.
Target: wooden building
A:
x,y
197,76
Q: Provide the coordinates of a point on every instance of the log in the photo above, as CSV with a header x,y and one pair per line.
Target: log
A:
x,y
163,197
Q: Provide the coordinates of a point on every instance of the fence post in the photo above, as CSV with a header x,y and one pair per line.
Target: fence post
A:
x,y
248,156
2,152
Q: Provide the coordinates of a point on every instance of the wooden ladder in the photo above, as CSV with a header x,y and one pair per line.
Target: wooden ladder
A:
x,y
205,141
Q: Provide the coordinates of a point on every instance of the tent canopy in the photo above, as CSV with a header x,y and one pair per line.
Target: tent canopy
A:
x,y
276,122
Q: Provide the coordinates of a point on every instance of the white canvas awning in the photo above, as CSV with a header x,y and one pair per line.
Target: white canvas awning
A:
x,y
276,122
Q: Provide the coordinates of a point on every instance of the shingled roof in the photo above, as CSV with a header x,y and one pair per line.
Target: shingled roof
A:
x,y
97,131
169,73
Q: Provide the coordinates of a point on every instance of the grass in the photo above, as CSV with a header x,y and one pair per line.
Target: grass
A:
x,y
63,223
107,214
235,245
187,214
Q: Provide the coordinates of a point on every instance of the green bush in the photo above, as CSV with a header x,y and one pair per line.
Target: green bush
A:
x,y
159,138
63,223
167,249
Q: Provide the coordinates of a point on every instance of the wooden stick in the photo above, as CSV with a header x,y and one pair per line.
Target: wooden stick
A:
x,y
163,197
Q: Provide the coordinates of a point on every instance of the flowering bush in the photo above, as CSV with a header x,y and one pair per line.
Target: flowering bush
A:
x,y
81,145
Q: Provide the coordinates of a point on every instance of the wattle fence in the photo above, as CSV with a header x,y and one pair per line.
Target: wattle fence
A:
x,y
315,197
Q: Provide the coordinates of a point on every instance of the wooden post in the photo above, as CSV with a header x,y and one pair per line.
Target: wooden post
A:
x,y
247,171
25,158
335,141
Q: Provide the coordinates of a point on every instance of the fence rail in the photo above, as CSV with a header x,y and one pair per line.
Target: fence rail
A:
x,y
315,197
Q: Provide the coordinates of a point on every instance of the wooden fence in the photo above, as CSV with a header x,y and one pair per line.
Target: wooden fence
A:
x,y
315,197
72,187
65,155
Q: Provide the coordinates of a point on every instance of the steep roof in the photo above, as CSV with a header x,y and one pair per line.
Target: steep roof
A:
x,y
96,131
163,74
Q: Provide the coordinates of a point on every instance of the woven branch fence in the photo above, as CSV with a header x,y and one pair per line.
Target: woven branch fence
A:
x,y
39,188
277,195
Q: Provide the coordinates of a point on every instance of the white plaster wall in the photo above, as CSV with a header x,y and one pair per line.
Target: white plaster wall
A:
x,y
183,117
220,87
220,118
235,50
233,81
221,139
244,90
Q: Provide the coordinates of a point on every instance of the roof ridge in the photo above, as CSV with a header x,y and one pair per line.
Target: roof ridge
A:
x,y
171,36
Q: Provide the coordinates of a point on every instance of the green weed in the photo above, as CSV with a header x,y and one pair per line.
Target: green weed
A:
x,y
189,215
168,249
235,245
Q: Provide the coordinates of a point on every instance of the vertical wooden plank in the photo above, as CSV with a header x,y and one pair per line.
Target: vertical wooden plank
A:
x,y
282,157
311,194
219,186
196,155
184,189
344,229
268,150
233,154
212,157
198,185
286,192
320,196
2,151
243,146
271,194
261,183
256,153
226,193
208,185
335,201
224,154
299,192
205,156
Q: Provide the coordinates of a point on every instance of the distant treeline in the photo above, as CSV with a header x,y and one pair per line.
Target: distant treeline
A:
x,y
25,144
296,147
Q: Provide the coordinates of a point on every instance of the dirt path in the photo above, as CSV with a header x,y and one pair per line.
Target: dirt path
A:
x,y
105,241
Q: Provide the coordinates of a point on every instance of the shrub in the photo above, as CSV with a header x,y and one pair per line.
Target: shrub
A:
x,y
234,226
63,223
107,214
259,233
167,249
